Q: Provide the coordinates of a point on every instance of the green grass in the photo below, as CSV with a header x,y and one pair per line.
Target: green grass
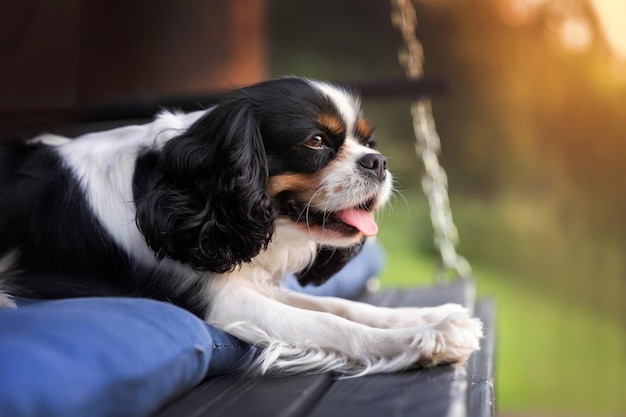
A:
x,y
552,356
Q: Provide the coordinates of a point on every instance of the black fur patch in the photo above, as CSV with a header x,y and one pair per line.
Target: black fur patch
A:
x,y
328,262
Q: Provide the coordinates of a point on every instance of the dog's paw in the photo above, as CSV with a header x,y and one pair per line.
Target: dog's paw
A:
x,y
450,340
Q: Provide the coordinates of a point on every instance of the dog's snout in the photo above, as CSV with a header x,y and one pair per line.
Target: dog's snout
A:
x,y
374,163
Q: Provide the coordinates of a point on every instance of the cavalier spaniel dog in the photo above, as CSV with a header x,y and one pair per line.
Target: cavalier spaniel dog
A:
x,y
209,210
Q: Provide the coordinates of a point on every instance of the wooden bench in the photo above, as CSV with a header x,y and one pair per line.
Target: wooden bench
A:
x,y
442,391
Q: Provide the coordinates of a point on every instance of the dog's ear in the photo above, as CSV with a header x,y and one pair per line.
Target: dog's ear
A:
x,y
328,262
204,203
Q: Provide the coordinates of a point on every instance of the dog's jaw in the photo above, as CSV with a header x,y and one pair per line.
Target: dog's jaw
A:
x,y
345,226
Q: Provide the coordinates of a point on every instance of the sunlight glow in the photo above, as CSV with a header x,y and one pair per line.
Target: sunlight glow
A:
x,y
612,14
574,33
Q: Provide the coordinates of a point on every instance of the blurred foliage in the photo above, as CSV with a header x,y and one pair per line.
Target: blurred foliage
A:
x,y
534,142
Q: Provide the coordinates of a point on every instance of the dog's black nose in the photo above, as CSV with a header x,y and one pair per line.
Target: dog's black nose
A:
x,y
375,164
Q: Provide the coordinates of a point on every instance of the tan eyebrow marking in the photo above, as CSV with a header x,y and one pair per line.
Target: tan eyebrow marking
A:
x,y
332,123
363,128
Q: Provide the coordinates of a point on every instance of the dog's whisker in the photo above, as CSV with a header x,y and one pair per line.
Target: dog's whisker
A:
x,y
308,209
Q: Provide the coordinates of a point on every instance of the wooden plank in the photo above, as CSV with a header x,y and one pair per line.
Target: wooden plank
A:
x,y
433,392
232,396
461,292
385,298
480,367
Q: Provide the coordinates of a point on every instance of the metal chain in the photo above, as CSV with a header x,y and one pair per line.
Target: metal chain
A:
x,y
428,148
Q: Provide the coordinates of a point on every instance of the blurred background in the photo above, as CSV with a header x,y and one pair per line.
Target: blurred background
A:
x,y
533,128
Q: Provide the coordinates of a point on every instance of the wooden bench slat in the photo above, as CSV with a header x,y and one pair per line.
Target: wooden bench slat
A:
x,y
459,292
233,395
386,298
429,393
481,402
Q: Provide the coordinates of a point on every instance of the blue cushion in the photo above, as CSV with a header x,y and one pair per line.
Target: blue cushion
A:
x,y
350,281
119,356
106,356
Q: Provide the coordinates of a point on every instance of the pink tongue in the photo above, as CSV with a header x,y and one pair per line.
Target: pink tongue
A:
x,y
360,219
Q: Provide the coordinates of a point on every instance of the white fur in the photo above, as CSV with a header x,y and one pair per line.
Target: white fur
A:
x,y
348,105
299,333
303,334
344,176
6,263
104,163
49,139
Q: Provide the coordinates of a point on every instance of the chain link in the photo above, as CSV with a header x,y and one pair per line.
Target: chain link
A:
x,y
428,148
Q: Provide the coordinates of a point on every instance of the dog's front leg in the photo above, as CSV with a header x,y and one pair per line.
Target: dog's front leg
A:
x,y
303,340
374,316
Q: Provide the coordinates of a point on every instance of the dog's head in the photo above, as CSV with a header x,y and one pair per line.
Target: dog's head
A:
x,y
290,148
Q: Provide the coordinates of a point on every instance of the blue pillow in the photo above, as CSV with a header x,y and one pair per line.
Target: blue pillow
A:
x,y
120,356
106,356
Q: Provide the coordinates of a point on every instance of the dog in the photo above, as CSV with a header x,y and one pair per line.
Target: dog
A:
x,y
209,210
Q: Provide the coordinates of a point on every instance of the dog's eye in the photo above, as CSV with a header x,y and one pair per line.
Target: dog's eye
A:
x,y
371,143
316,141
